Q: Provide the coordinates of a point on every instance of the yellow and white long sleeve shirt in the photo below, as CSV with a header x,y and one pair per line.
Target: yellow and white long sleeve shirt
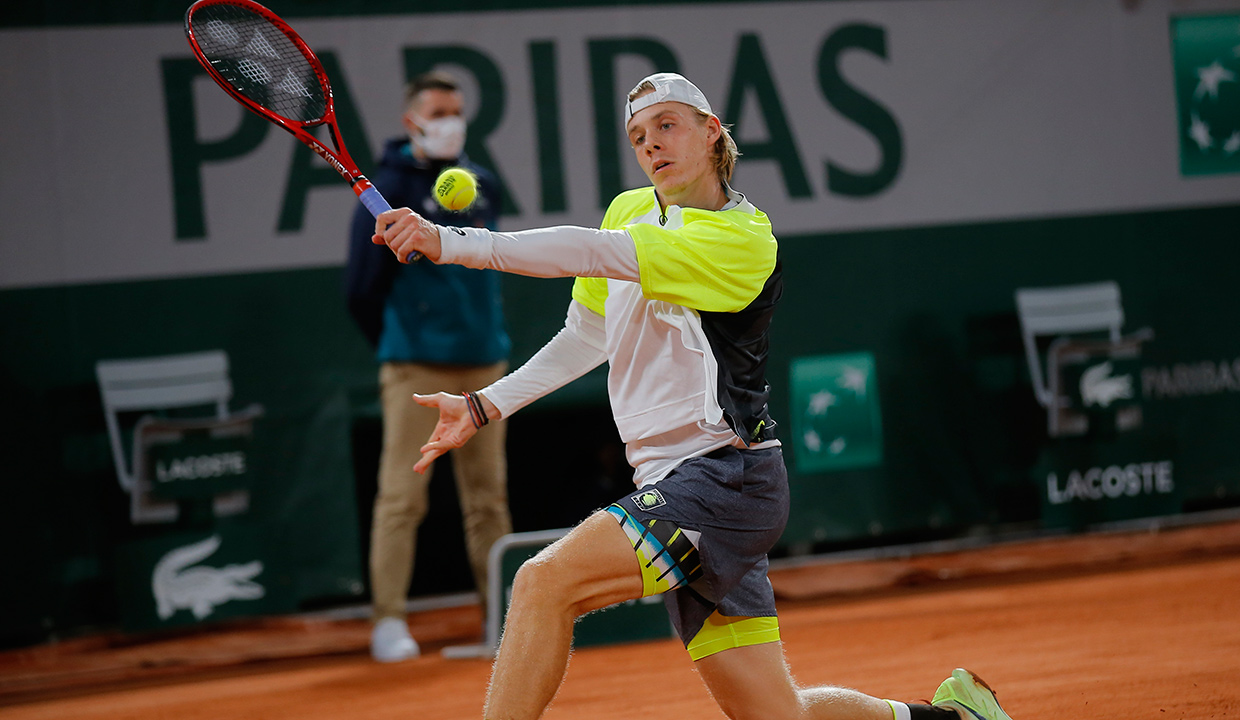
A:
x,y
678,302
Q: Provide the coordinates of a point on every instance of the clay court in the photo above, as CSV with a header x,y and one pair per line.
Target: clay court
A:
x,y
1121,625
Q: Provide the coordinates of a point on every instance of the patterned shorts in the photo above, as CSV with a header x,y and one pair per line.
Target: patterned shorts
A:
x,y
702,534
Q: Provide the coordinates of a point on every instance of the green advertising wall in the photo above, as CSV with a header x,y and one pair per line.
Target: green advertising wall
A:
x,y
963,440
289,345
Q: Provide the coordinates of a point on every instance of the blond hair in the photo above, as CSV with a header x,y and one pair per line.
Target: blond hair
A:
x,y
723,154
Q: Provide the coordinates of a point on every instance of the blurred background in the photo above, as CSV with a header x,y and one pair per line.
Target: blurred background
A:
x,y
1008,231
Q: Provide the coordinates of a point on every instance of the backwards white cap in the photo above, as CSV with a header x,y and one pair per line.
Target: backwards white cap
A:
x,y
668,87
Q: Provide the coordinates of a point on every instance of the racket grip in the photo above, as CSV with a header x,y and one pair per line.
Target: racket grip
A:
x,y
376,204
374,201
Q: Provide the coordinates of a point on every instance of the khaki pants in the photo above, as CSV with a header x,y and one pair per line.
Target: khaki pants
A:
x,y
481,478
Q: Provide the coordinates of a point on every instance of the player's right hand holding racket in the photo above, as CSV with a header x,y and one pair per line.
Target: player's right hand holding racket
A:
x,y
408,234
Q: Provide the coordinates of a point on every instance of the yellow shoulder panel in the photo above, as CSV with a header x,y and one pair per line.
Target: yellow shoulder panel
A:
x,y
716,261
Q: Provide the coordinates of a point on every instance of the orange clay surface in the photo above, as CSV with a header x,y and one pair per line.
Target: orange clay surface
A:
x,y
1145,625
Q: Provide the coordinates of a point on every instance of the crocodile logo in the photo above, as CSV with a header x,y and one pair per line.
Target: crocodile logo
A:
x,y
179,584
1099,387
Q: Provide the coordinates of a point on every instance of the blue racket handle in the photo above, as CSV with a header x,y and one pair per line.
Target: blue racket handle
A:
x,y
374,201
376,204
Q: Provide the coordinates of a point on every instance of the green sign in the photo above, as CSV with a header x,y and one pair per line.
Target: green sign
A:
x,y
1096,387
1085,481
1206,51
183,578
199,466
836,422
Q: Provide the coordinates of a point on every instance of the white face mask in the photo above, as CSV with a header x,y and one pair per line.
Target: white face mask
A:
x,y
441,139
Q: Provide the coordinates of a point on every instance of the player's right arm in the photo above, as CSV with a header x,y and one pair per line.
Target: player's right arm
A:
x,y
714,261
560,251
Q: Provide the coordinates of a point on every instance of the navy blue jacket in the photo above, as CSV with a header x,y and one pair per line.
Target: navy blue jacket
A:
x,y
422,312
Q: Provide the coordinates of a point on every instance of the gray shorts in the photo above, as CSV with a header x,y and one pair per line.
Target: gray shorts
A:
x,y
702,534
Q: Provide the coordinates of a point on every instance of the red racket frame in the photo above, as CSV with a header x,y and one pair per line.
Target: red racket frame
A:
x,y
339,158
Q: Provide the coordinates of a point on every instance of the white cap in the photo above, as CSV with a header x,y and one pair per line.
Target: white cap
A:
x,y
668,87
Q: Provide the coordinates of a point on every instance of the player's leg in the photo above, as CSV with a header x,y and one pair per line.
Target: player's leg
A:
x,y
591,567
753,682
480,466
400,506
735,639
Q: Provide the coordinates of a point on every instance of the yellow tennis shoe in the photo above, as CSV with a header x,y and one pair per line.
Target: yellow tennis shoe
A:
x,y
970,696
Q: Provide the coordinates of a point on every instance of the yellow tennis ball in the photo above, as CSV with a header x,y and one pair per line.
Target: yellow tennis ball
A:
x,y
456,189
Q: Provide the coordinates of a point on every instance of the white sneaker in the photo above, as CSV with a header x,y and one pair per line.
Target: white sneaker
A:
x,y
390,641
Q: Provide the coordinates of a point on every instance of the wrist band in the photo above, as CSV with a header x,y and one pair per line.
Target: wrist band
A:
x,y
476,413
482,413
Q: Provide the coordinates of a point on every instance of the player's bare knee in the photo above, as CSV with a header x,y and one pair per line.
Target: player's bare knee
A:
x,y
538,579
547,581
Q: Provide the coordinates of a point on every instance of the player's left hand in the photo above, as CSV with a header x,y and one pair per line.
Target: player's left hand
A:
x,y
454,429
407,232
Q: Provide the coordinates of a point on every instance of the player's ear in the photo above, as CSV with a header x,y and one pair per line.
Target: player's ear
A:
x,y
714,128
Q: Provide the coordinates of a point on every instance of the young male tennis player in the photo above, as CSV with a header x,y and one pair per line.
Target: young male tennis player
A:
x,y
676,292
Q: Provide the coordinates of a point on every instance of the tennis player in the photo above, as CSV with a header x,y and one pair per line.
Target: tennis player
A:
x,y
676,292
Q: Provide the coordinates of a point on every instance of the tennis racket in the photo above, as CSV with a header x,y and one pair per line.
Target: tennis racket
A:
x,y
264,65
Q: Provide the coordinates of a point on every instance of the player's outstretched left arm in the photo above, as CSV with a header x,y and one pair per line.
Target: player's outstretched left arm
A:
x,y
407,234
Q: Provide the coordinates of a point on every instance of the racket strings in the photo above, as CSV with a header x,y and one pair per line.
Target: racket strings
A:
x,y
259,61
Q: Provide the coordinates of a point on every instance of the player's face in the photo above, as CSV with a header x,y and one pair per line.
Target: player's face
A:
x,y
673,145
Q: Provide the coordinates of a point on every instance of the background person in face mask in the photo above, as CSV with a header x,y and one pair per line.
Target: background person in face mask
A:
x,y
434,118
435,328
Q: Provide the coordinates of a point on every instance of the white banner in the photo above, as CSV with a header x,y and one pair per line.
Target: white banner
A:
x,y
858,115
